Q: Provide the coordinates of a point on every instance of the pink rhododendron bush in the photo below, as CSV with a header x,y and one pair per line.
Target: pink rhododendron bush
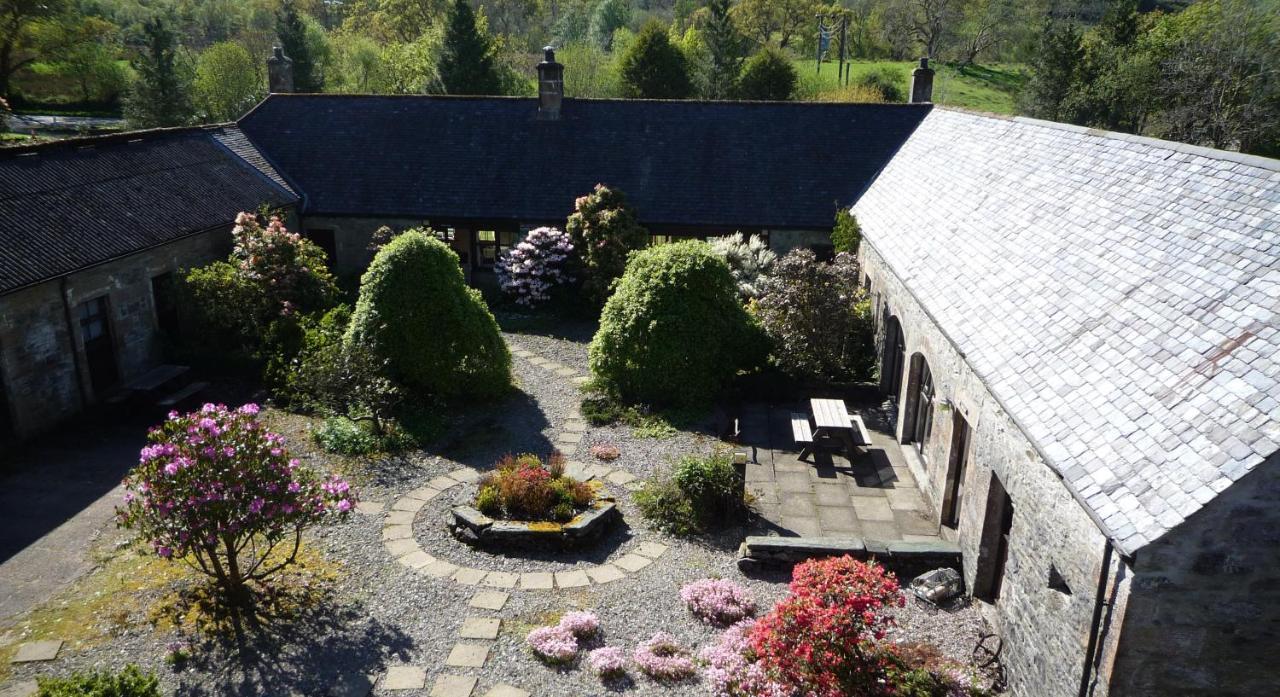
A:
x,y
718,601
219,491
535,266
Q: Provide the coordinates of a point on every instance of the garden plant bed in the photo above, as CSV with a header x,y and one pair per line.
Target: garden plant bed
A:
x,y
475,528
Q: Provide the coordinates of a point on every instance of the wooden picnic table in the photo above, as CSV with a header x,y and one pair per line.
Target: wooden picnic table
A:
x,y
831,419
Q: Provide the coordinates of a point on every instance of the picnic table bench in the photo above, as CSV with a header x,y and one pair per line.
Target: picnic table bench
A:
x,y
831,421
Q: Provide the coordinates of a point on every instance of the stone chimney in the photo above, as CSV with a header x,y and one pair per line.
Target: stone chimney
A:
x,y
922,83
279,72
550,86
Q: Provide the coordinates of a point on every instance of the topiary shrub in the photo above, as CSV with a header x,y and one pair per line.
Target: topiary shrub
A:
x,y
767,76
604,230
416,312
847,234
673,332
130,682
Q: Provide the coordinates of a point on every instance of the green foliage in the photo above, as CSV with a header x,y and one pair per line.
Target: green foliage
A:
x,y
604,231
1053,70
291,28
653,68
90,47
338,434
701,494
130,682
161,95
588,71
885,80
726,48
607,18
525,487
488,501
226,82
416,312
749,260
847,234
767,76
673,332
466,63
666,507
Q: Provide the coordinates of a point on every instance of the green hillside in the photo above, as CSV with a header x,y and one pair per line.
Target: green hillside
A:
x,y
992,88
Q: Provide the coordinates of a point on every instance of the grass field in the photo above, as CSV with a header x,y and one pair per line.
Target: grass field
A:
x,y
991,88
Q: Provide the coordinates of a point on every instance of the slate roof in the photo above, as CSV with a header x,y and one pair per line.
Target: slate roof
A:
x,y
72,204
1119,296
724,164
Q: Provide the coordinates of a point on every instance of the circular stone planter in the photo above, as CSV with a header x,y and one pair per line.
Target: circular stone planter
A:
x,y
475,528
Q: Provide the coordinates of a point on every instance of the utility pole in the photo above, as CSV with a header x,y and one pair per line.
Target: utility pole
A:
x,y
843,75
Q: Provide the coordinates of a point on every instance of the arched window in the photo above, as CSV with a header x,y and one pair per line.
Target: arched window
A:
x,y
924,407
895,354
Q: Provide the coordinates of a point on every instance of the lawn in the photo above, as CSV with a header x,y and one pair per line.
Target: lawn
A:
x,y
991,88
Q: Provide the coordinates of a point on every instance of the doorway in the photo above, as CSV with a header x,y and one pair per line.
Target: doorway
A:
x,y
99,353
327,242
7,430
956,465
993,550
895,355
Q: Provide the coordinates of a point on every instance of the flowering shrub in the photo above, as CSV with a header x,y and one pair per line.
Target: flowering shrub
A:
x,y
662,658
749,260
531,269
604,231
606,452
732,669
292,272
718,601
523,487
820,639
553,644
216,488
608,661
583,624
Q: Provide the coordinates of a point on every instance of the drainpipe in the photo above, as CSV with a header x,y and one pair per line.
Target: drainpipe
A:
x,y
71,338
1096,626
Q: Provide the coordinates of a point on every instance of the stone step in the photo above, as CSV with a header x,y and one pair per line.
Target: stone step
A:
x,y
897,555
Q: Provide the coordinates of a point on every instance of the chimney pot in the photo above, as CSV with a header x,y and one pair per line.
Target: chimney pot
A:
x,y
279,72
550,86
922,83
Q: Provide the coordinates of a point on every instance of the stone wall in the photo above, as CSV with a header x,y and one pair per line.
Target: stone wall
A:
x,y
1045,630
1203,617
783,241
40,354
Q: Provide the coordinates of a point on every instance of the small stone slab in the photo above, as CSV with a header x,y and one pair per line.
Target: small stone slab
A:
x,y
489,600
439,569
399,548
416,560
539,361
621,477
408,504
505,690
480,628
404,678
26,688
577,470
453,686
537,580
468,655
400,518
472,518
37,651
370,507
464,475
605,573
443,482
575,426
633,562
426,493
569,438
590,520
653,550
501,579
566,372
397,532
572,579
468,576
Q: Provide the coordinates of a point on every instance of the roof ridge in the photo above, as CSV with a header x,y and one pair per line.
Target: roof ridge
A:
x,y
106,139
514,98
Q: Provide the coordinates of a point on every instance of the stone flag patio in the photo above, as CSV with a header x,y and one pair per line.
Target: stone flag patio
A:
x,y
873,497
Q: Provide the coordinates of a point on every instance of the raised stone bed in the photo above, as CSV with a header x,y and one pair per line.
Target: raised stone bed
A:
x,y
905,558
473,527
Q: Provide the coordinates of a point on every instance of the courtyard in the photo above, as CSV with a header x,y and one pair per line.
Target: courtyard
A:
x,y
397,606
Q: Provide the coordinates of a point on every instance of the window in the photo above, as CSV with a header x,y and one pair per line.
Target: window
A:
x,y
490,244
327,242
923,422
95,333
164,295
444,235
655,240
895,355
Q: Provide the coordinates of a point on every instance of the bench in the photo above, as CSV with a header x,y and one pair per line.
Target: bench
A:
x,y
858,426
802,433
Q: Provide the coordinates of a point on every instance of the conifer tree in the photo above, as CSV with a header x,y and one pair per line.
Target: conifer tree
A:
x,y
726,47
161,96
466,63
654,68
292,30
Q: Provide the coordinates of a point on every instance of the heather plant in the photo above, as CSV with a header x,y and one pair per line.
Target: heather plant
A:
x,y
732,669
673,332
821,639
535,267
524,487
554,645
607,661
664,659
749,260
819,318
436,335
718,601
130,682
604,231
605,451
583,624
217,490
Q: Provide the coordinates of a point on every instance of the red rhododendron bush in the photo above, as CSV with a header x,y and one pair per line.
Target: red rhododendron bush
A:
x,y
820,640
219,491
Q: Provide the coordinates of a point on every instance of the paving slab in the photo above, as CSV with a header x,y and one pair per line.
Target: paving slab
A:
x,y
489,600
37,651
397,532
468,576
877,510
399,548
480,628
416,560
793,482
537,580
439,569
370,507
467,655
801,526
905,499
620,477
464,475
26,688
404,678
505,690
572,579
574,426
501,579
453,686
408,504
566,372
605,573
399,518
653,550
838,519
798,505
633,562
442,482
569,438
831,494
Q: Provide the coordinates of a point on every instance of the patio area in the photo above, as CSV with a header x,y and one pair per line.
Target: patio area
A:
x,y
874,496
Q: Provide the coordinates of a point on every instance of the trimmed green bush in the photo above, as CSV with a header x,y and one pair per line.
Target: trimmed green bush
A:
x,y
416,312
130,682
700,494
847,234
767,76
673,332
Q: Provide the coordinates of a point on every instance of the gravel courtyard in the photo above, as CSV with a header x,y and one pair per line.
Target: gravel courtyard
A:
x,y
397,619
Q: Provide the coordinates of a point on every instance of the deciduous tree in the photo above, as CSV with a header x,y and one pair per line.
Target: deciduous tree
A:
x,y
19,38
291,27
226,83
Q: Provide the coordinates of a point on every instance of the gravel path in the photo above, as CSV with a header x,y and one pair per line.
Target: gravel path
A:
x,y
384,614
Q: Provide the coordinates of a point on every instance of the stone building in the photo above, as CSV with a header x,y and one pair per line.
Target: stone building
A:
x,y
93,232
1080,330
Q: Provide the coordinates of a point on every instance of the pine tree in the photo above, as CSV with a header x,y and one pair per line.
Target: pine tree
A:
x,y
161,96
727,48
466,63
653,68
1053,71
292,30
